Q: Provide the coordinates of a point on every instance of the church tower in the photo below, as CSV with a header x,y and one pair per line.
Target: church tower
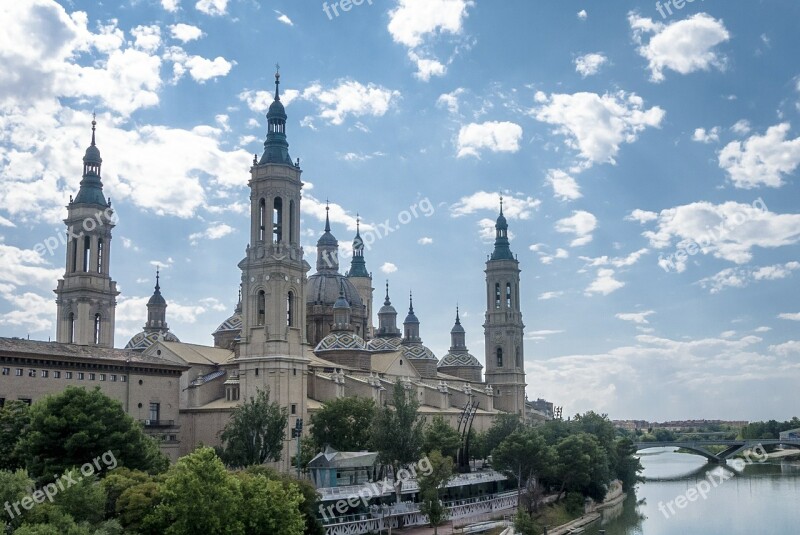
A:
x,y
272,347
362,279
86,296
503,327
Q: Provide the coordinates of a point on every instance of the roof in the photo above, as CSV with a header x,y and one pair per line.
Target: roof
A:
x,y
203,379
40,349
330,458
461,360
197,354
384,344
417,352
341,340
234,323
144,339
323,288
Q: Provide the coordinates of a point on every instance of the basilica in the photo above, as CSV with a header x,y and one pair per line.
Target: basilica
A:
x,y
306,337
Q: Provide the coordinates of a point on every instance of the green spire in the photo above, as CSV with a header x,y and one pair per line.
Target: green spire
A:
x,y
276,148
358,265
91,191
502,249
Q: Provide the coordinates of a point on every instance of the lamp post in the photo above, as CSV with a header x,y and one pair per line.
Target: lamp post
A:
x,y
297,433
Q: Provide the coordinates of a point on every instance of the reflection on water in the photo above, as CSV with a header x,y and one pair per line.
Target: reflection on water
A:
x,y
751,499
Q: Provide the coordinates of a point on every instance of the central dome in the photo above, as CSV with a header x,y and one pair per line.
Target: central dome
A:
x,y
323,289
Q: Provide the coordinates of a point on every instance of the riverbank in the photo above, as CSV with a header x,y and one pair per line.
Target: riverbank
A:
x,y
614,496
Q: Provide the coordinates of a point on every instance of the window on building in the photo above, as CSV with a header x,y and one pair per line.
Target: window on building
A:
x,y
113,378
56,375
45,373
497,295
294,408
277,220
290,309
100,253
91,377
97,328
27,401
155,411
74,255
291,221
6,371
67,375
31,373
499,357
102,377
261,307
18,372
87,249
262,219
2,402
508,295
123,379
80,376
71,327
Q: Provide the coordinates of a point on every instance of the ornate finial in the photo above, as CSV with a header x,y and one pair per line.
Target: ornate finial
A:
x,y
255,159
158,275
277,80
410,302
94,124
240,293
387,291
341,288
327,218
458,320
501,205
358,225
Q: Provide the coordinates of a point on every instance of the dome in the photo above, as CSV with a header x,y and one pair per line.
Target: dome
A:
x,y
340,341
384,344
328,239
143,340
418,352
387,309
323,289
276,109
457,328
157,299
501,222
234,323
92,155
463,360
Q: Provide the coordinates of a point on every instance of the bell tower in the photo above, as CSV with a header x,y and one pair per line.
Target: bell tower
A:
x,y
273,344
503,327
86,296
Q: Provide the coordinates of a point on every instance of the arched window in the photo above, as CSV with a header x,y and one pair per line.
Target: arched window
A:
x,y
499,357
291,221
71,327
508,295
290,309
262,223
74,255
261,307
497,295
100,253
87,249
277,220
97,328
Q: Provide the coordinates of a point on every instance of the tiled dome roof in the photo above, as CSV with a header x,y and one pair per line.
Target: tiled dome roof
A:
x,y
341,340
143,340
460,359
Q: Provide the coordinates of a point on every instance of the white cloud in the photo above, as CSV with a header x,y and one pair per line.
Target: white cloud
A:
x,y
742,277
564,186
213,8
449,101
550,295
728,231
147,38
617,262
425,240
541,334
388,267
642,216
200,69
170,5
590,64
640,318
701,135
597,125
547,259
350,98
582,15
215,231
684,46
741,127
185,32
513,207
492,135
413,20
792,347
581,224
794,316
427,67
604,283
284,18
761,160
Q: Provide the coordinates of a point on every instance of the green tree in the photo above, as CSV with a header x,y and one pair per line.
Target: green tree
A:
x,y
85,501
310,504
14,421
117,482
525,456
13,487
628,465
397,432
582,466
270,507
135,508
504,424
440,436
308,450
344,424
477,445
255,432
76,426
430,486
198,495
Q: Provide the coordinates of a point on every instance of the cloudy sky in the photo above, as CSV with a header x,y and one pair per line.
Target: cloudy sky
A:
x,y
648,156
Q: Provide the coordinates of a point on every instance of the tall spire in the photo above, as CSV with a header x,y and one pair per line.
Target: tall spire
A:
x,y
327,216
158,275
387,302
327,246
358,265
156,308
458,320
276,148
502,249
94,124
91,190
277,81
457,336
410,302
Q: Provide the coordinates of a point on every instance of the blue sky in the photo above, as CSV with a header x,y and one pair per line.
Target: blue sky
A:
x,y
649,165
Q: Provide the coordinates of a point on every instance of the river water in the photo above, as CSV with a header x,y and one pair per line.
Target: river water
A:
x,y
759,499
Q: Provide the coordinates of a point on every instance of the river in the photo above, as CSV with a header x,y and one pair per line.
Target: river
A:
x,y
760,499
